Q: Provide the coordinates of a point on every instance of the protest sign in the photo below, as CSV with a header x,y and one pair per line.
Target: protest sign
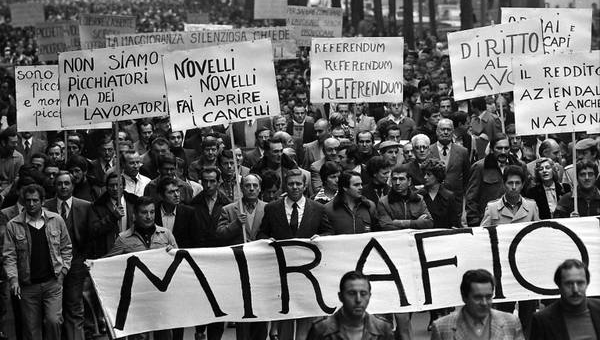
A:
x,y
281,38
480,57
314,22
410,271
558,93
270,9
24,14
55,37
205,27
563,30
220,84
38,103
93,28
111,84
197,18
356,70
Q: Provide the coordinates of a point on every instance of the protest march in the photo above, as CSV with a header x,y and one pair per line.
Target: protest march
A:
x,y
299,170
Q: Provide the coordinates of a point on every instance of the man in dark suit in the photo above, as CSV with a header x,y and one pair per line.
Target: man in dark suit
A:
x,y
574,316
294,215
261,136
300,127
454,156
173,215
101,165
75,213
110,215
29,145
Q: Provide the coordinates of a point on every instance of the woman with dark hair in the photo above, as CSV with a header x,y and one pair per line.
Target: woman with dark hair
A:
x,y
440,201
330,173
548,190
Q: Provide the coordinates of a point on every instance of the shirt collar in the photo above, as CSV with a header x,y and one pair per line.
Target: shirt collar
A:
x,y
472,322
69,202
164,213
30,140
301,202
20,207
511,206
551,187
441,146
30,220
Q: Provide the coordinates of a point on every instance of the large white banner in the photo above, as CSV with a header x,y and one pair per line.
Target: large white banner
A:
x,y
112,84
356,70
563,30
411,270
38,103
558,93
221,84
480,57
284,46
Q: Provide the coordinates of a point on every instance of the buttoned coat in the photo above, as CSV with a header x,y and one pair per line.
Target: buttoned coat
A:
x,y
504,326
77,220
275,224
229,230
496,213
457,169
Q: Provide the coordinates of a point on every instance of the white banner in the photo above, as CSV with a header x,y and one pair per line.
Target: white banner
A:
x,y
284,46
356,70
55,37
480,57
411,270
564,30
93,28
314,22
558,93
38,104
112,84
23,14
221,84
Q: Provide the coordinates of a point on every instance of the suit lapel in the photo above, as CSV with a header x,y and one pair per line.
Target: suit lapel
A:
x,y
282,213
258,216
306,214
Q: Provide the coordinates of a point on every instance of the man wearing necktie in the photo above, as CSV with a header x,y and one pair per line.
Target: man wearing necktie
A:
x,y
74,212
293,216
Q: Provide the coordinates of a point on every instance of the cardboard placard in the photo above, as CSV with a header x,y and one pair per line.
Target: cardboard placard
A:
x,y
56,37
112,84
93,28
220,84
314,22
356,70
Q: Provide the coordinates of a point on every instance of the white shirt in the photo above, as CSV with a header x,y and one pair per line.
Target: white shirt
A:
x,y
288,208
29,140
445,159
136,186
38,223
168,219
59,204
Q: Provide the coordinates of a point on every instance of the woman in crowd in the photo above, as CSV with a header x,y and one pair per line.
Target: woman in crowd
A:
x,y
548,190
330,172
440,201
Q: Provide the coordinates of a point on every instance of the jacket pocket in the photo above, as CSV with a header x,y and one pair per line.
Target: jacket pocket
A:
x,y
21,243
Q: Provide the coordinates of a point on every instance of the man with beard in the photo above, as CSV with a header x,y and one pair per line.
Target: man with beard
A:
x,y
573,316
78,166
349,211
485,179
10,159
352,321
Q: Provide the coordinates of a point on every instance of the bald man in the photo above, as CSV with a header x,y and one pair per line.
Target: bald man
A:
x,y
330,153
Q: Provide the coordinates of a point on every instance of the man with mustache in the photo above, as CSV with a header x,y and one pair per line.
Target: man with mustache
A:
x,y
573,316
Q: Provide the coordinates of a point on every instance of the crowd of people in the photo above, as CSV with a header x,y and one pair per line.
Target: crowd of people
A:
x,y
422,162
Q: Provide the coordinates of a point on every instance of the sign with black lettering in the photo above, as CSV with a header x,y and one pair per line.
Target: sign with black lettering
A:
x,y
55,37
410,270
23,14
281,38
221,84
38,103
270,9
112,84
563,29
93,28
314,22
356,70
480,57
558,93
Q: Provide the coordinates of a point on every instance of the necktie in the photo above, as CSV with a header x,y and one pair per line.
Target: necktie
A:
x,y
27,147
63,211
107,167
445,150
294,218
